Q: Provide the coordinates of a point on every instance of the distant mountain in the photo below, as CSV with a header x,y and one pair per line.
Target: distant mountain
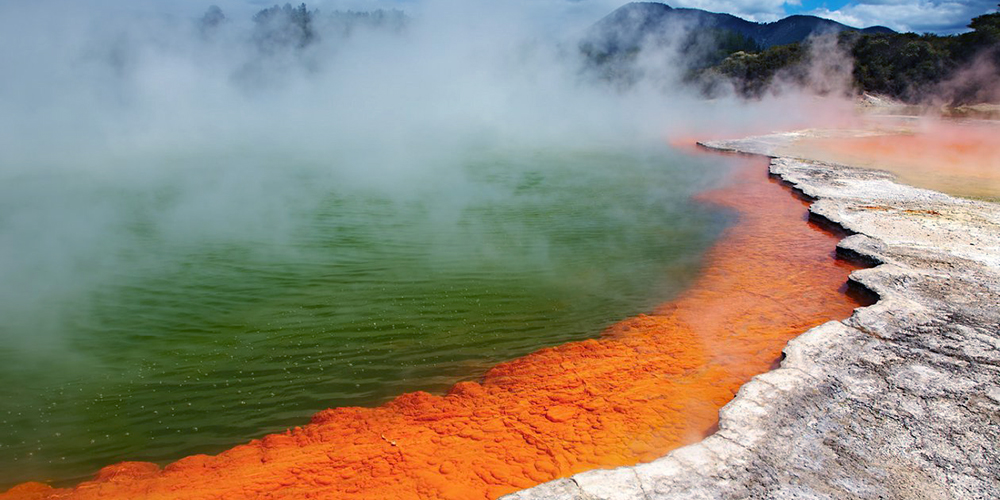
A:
x,y
627,27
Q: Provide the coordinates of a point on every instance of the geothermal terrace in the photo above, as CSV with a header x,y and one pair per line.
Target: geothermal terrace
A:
x,y
898,400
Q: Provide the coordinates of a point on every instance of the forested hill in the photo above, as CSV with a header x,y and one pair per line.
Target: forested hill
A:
x,y
627,27
719,51
928,69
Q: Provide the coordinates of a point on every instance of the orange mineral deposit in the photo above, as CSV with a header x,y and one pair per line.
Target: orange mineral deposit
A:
x,y
650,384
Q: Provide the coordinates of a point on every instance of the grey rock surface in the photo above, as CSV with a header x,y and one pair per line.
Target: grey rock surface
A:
x,y
901,400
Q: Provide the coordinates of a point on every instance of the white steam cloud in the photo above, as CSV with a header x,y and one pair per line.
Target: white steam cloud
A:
x,y
214,136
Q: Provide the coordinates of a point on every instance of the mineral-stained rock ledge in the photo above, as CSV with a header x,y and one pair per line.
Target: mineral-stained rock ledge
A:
x,y
901,400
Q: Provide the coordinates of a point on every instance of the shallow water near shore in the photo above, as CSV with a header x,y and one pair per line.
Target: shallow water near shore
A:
x,y
175,323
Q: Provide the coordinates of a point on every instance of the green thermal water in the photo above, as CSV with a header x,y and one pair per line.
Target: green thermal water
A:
x,y
151,318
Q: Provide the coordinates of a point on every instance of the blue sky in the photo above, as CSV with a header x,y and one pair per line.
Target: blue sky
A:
x,y
921,16
810,5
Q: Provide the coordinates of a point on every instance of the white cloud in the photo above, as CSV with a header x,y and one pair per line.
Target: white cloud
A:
x,y
938,16
753,10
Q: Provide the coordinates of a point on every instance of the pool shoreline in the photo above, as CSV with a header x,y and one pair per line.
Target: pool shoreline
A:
x,y
897,401
647,385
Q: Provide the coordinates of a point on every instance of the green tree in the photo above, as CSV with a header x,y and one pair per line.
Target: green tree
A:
x,y
281,27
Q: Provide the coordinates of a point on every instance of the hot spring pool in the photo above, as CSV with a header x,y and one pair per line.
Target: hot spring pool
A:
x,y
148,317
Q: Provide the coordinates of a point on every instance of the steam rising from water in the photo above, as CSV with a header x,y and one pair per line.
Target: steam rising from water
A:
x,y
217,138
129,137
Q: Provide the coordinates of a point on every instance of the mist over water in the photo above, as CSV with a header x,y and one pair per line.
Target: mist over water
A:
x,y
203,238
